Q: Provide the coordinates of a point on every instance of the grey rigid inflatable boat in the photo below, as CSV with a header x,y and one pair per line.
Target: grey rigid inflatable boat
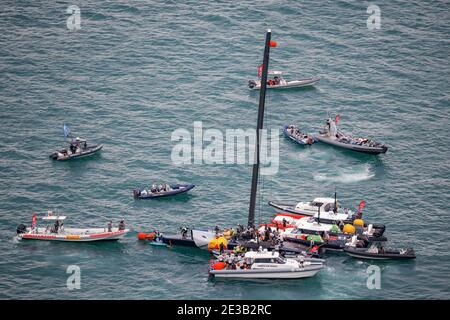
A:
x,y
332,136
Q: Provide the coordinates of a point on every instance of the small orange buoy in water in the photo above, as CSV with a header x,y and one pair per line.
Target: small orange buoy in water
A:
x,y
273,44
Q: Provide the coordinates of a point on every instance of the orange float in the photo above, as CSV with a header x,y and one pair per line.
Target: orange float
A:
x,y
219,265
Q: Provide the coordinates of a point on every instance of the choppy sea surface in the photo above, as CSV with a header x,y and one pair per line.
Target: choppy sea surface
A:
x,y
137,71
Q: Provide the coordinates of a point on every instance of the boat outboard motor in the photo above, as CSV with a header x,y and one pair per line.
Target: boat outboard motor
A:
x,y
21,228
353,242
378,229
136,192
251,84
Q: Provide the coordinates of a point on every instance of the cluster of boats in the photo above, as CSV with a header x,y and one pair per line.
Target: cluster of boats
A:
x,y
332,136
304,231
291,245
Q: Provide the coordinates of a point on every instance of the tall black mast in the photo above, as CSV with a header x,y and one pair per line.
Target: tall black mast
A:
x,y
262,99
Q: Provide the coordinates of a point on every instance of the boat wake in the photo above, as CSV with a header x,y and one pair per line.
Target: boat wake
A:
x,y
347,175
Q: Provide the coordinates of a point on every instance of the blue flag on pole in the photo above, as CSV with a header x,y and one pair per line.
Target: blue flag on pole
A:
x,y
66,131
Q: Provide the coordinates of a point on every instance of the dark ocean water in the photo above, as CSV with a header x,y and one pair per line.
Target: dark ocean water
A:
x,y
135,72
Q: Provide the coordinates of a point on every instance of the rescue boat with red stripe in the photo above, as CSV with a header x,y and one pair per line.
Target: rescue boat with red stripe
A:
x,y
56,231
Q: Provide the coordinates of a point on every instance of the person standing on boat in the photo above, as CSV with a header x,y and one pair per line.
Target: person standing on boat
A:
x,y
267,235
56,226
72,148
276,80
121,225
110,226
232,233
184,232
328,128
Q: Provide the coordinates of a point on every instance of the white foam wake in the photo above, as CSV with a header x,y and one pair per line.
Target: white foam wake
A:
x,y
347,175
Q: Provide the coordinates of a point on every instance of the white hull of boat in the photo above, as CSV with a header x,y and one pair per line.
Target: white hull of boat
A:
x,y
81,154
264,274
289,84
74,234
348,146
202,237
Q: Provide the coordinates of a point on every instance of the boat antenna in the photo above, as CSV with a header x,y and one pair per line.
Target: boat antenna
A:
x,y
335,201
318,204
259,126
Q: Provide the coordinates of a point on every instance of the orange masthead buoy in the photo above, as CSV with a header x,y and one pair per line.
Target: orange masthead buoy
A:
x,y
273,44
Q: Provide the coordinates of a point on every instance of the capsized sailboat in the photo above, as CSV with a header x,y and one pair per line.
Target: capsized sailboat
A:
x,y
209,236
259,264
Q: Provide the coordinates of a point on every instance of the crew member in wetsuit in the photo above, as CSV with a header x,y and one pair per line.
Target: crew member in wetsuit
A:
x,y
56,226
267,235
